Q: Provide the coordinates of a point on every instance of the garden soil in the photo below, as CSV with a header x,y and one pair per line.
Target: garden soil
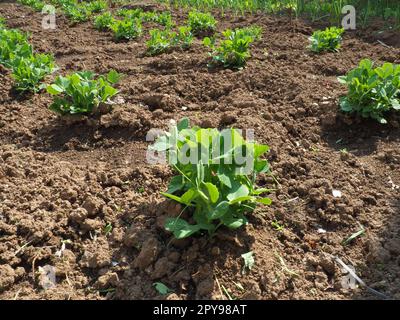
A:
x,y
80,198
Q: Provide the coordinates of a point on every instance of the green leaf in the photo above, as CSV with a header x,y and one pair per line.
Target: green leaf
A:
x,y
207,42
225,179
183,124
234,223
261,166
162,288
176,184
260,149
266,201
173,197
212,191
180,228
238,191
188,196
220,210
113,77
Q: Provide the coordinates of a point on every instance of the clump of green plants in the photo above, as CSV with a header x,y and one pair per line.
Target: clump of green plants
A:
x,y
149,16
103,21
37,5
28,68
163,40
234,50
77,13
329,39
2,22
81,12
202,23
160,41
126,29
184,37
165,19
372,91
13,43
27,72
95,6
129,13
215,181
82,92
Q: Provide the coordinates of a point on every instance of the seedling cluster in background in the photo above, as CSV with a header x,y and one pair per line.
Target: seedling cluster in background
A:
x,y
216,190
372,91
315,10
28,68
202,23
329,39
82,92
164,40
234,50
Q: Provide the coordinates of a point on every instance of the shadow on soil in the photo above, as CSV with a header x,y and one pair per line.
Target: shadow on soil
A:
x,y
360,136
382,265
382,253
190,266
57,136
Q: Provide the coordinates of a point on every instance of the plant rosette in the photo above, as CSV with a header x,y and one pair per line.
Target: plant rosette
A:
x,y
216,177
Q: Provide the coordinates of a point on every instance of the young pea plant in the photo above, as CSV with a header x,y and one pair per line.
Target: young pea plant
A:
x,y
184,37
96,6
233,51
82,92
36,5
28,72
214,180
372,92
202,23
130,13
165,19
77,14
160,41
149,16
329,39
103,21
126,29
13,43
163,40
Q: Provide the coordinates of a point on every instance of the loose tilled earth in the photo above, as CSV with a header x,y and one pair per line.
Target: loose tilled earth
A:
x,y
66,182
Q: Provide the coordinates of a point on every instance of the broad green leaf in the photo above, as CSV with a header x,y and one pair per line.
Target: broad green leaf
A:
x,y
260,149
212,191
238,191
161,288
220,210
180,228
261,166
188,196
225,179
113,77
183,124
176,184
233,223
